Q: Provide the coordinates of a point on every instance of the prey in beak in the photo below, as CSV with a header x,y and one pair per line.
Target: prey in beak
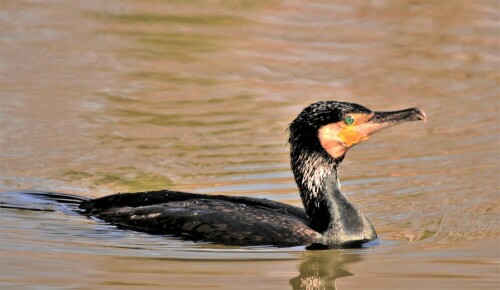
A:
x,y
336,138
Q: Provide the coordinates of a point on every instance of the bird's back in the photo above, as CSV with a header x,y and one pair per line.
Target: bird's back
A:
x,y
216,218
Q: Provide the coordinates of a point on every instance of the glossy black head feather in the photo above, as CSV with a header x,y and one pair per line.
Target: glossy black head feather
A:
x,y
324,112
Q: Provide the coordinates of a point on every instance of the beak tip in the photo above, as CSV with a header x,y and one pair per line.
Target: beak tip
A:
x,y
421,115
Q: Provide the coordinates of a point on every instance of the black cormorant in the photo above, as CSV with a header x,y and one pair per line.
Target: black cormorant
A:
x,y
319,138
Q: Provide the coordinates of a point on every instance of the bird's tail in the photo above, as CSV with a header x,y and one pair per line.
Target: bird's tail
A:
x,y
40,201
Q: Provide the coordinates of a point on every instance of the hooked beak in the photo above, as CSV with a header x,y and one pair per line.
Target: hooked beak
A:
x,y
382,120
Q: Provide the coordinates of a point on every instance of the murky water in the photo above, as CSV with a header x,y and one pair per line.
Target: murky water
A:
x,y
105,96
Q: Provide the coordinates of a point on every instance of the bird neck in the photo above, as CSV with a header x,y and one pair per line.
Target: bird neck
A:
x,y
330,212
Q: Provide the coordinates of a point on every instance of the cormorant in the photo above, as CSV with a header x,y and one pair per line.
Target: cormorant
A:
x,y
319,139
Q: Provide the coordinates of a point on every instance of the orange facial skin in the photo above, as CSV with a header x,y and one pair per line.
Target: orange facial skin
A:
x,y
337,137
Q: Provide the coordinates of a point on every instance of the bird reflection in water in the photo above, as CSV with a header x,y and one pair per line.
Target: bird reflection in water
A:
x,y
320,269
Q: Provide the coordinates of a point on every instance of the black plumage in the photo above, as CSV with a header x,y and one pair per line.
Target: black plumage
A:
x,y
215,218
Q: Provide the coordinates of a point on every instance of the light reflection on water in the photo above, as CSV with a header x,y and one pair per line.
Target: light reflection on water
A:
x,y
100,97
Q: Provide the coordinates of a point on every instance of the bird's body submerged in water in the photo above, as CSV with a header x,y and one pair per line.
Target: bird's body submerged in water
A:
x,y
319,139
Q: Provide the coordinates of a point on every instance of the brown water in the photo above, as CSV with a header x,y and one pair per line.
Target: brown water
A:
x,y
105,96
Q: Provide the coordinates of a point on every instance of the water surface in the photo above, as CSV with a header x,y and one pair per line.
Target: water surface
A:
x,y
100,97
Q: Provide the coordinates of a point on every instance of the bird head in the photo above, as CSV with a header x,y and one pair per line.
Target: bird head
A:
x,y
334,127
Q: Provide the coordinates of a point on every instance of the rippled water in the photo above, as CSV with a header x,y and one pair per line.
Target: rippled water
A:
x,y
105,96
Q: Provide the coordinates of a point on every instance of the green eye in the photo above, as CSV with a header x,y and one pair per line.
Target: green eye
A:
x,y
349,120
